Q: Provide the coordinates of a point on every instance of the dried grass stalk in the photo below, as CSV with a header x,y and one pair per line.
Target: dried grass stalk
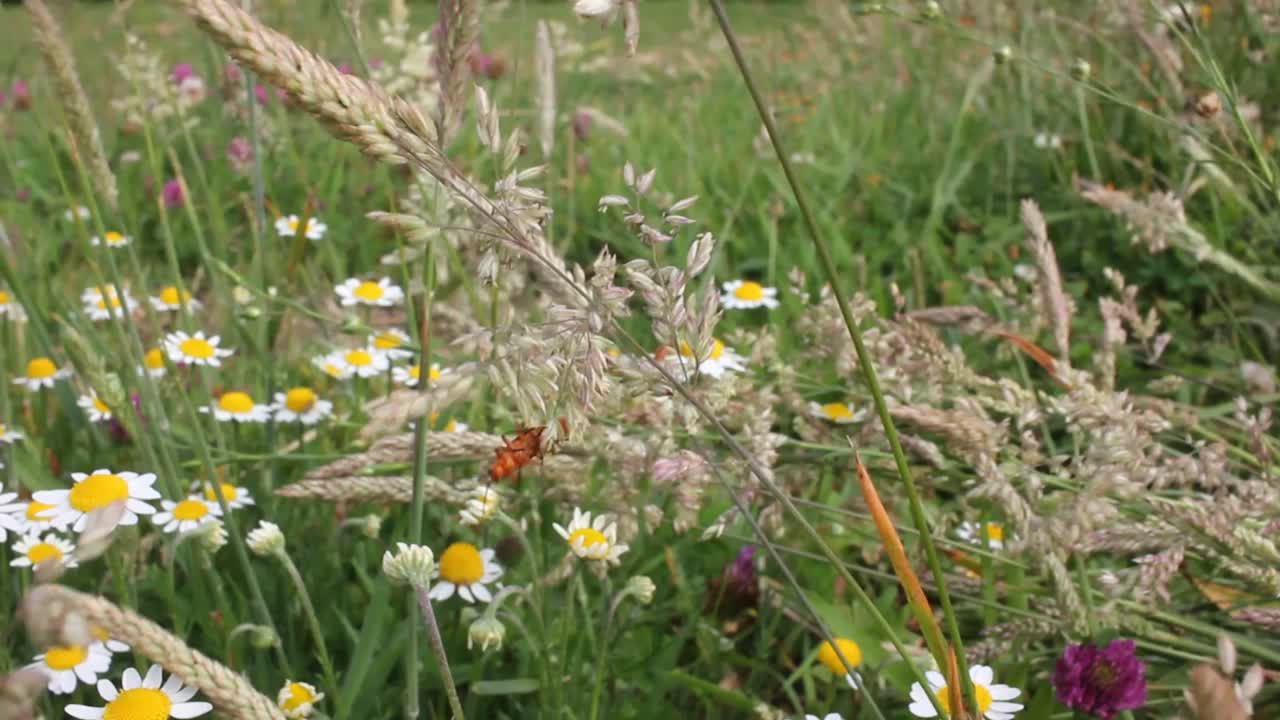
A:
x,y
546,61
75,104
372,488
52,611
459,26
631,26
1056,303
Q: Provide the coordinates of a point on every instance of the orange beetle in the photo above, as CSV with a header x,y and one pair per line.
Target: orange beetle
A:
x,y
516,453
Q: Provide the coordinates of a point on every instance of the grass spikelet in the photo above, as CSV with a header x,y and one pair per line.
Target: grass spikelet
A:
x,y
50,610
75,104
1057,304
545,56
460,25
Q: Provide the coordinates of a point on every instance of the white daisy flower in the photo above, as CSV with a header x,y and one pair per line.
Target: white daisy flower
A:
x,y
153,364
186,349
80,211
392,343
239,407
453,426
287,226
26,517
143,698
466,570
10,308
992,699
31,550
64,665
592,540
719,361
185,516
382,293
41,373
603,10
104,638
409,376
828,716
361,362
96,490
103,303
481,504
171,299
746,294
837,412
971,532
237,497
300,404
8,435
298,699
93,406
331,364
111,239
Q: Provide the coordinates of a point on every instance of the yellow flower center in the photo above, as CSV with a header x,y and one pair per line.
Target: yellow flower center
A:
x,y
387,341
197,348
461,564
300,399
99,633
99,405
236,402
451,426
190,510
154,359
114,238
293,224
837,411
368,290
109,299
35,508
4,298
41,552
228,493
170,296
588,536
717,349
98,491
359,358
749,290
984,698
41,368
65,657
827,655
995,531
298,696
138,704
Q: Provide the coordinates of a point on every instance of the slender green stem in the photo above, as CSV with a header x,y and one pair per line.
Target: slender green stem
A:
x,y
313,621
437,647
864,359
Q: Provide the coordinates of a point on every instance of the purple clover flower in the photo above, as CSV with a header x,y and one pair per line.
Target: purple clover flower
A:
x,y
181,72
173,194
741,573
1101,681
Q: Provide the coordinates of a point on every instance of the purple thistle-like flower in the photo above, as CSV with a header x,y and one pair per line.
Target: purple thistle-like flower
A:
x,y
741,572
181,72
21,94
173,194
1101,681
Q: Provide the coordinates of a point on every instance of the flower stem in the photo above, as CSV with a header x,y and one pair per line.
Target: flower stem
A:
x,y
437,648
313,621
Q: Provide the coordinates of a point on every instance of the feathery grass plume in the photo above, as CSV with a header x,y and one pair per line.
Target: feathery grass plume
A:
x,y
546,62
75,104
459,27
52,612
390,413
1057,305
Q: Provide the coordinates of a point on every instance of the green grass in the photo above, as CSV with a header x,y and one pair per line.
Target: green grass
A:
x,y
914,153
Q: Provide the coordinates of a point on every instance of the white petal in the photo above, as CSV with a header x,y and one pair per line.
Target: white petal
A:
x,y
935,679
184,694
465,592
482,593
922,709
131,679
107,690
1006,707
1003,692
171,685
155,674
441,591
139,507
189,709
981,674
84,712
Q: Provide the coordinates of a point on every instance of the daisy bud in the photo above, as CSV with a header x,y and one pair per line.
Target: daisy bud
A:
x,y
263,637
266,539
641,588
1081,70
212,535
486,631
371,525
932,10
1003,54
411,564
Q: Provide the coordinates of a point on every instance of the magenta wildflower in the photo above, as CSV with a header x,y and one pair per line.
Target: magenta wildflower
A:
x,y
173,194
260,92
741,573
239,153
181,72
346,69
1101,681
21,95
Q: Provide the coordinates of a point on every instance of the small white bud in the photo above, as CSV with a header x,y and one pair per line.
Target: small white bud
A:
x,y
266,539
486,631
409,564
642,588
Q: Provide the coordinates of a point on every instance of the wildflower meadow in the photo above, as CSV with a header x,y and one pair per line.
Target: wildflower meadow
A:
x,y
597,359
